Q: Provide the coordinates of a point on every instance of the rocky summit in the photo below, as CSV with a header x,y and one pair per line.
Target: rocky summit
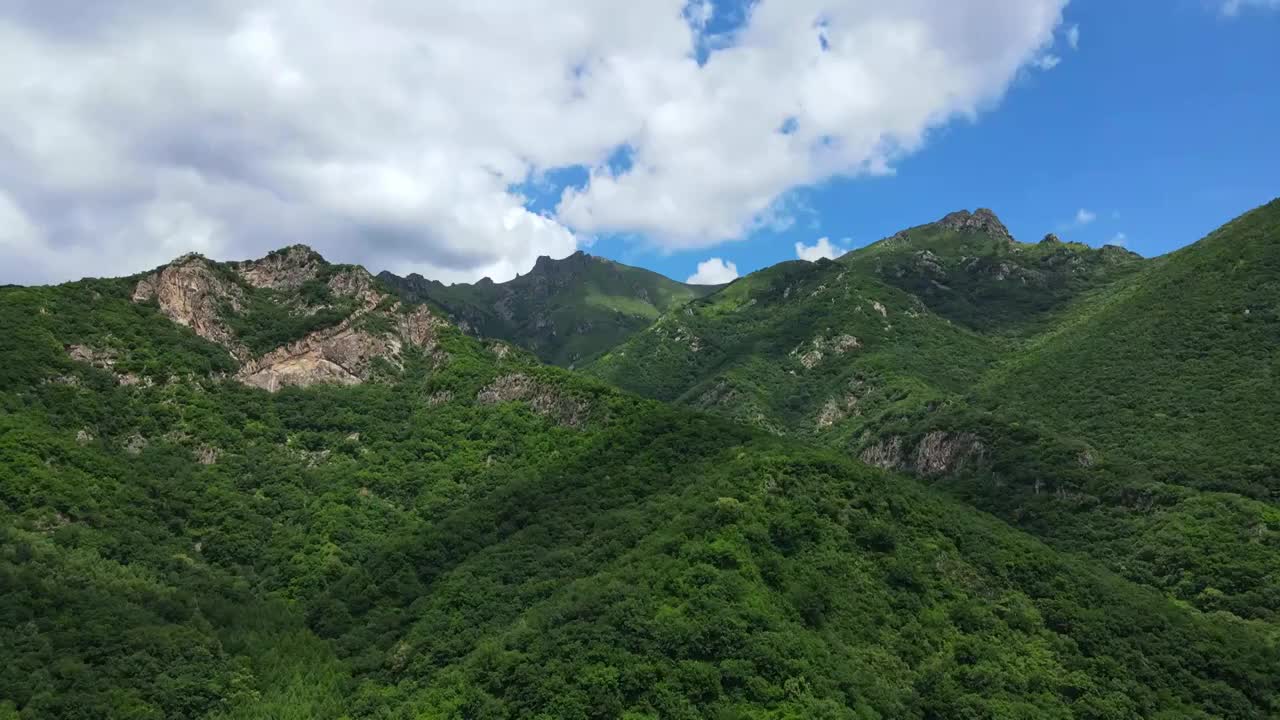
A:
x,y
338,323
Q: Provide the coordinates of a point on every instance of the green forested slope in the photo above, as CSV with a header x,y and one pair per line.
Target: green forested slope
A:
x,y
1181,370
564,311
1114,406
482,537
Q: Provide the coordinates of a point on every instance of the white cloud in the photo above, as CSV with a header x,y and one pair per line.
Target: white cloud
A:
x,y
1119,239
1073,37
823,248
1231,8
400,133
1084,217
1047,61
713,271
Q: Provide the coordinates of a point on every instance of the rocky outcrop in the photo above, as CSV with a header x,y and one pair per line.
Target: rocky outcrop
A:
x,y
810,356
943,453
356,283
887,453
1051,239
542,398
103,359
194,292
831,413
937,453
981,220
345,353
191,292
285,269
206,454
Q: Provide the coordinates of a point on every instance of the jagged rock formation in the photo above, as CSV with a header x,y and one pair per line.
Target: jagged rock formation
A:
x,y
343,355
191,293
285,269
981,220
200,294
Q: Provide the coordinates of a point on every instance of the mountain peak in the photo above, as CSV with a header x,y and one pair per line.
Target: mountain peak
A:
x,y
284,269
982,220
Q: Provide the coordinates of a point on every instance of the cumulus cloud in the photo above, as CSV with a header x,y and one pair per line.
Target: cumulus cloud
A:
x,y
1119,239
1073,37
713,271
823,248
1084,217
411,134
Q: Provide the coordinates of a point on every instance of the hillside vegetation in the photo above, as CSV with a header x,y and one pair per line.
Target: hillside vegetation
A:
x,y
451,530
564,311
1114,406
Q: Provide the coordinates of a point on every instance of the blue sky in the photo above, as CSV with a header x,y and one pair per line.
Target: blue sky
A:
x,y
464,140
1163,124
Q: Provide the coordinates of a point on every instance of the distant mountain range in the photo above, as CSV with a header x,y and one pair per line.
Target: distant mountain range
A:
x,y
948,475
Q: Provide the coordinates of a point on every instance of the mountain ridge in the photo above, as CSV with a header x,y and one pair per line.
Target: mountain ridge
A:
x,y
468,533
489,537
565,311
936,316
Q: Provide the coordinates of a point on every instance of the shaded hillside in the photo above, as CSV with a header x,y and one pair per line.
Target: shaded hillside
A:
x,y
995,369
462,533
564,311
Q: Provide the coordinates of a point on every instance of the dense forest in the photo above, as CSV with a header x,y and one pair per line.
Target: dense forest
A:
x,y
1113,406
457,531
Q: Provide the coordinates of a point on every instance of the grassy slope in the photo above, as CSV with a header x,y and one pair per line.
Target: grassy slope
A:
x,y
363,551
565,311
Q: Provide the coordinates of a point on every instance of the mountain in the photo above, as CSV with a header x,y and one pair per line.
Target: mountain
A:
x,y
564,311
1112,405
272,489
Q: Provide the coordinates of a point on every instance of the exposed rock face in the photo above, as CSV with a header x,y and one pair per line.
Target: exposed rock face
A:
x,y
1051,239
285,269
206,454
1115,253
937,453
191,293
135,444
819,347
343,354
356,283
942,453
103,359
885,454
830,414
980,220
542,399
